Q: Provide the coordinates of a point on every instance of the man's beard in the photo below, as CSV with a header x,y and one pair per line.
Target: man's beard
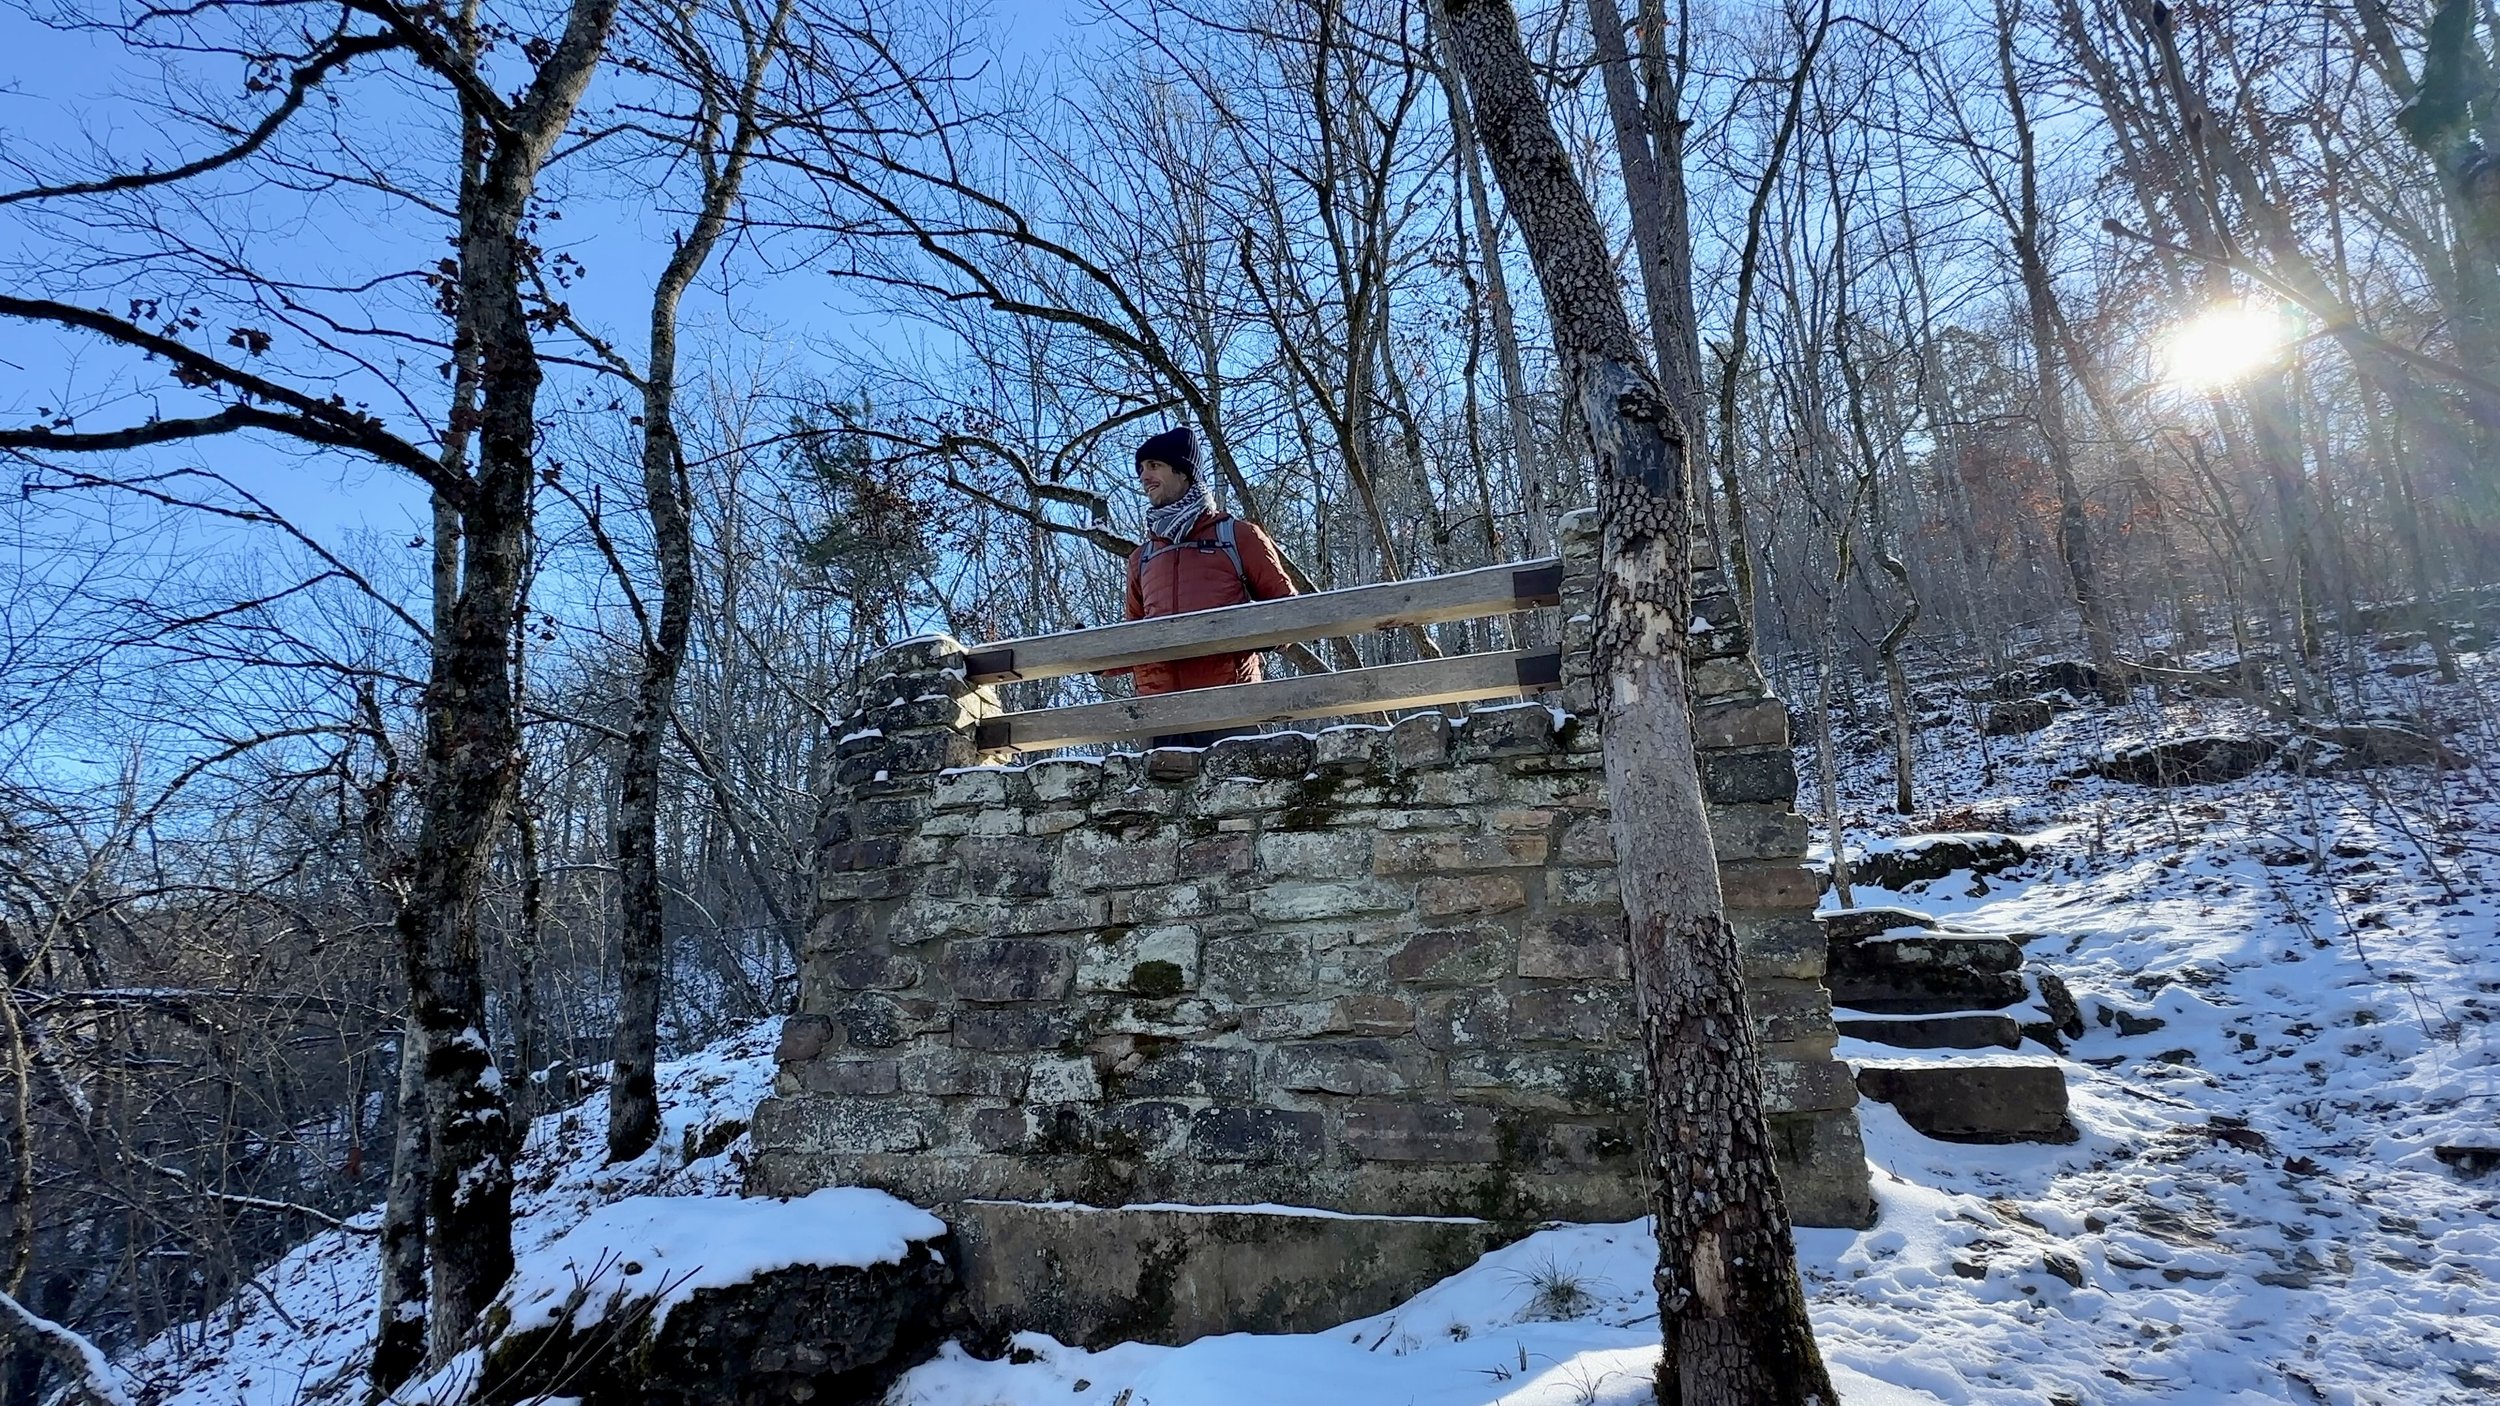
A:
x,y
1172,522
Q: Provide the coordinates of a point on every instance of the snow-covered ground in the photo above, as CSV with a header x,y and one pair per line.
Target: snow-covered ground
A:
x,y
2255,1211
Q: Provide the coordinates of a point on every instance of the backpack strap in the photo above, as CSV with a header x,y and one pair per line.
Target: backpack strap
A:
x,y
1224,542
1224,539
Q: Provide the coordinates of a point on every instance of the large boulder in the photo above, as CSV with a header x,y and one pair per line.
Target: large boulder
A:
x,y
724,1301
1092,1277
2187,761
1910,859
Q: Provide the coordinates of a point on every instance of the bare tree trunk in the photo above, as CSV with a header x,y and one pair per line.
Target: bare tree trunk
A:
x,y
472,742
1748,270
2386,453
1897,692
1888,649
2451,113
472,756
1539,528
2074,534
1731,1311
399,1341
633,1099
529,1035
1649,150
1826,750
400,1336
1471,407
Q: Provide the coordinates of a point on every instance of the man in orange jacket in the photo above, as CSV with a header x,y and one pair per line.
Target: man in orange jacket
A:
x,y
1194,558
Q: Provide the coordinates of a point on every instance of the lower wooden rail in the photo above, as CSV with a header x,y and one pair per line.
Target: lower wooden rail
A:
x,y
1426,683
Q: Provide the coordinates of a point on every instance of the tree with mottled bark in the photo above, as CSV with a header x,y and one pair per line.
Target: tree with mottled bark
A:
x,y
1495,283
1732,1312
1646,109
474,754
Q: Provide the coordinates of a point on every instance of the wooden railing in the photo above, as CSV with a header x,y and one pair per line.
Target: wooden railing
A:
x,y
1233,629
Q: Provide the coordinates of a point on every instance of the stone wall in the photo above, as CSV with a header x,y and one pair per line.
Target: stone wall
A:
x,y
1368,969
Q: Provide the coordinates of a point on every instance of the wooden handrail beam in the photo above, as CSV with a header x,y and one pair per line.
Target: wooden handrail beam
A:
x,y
1236,629
1425,683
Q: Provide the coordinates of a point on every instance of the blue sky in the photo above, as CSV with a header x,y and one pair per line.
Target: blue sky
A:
x,y
80,100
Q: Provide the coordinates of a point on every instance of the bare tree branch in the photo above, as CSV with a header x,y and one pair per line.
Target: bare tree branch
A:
x,y
324,63
328,422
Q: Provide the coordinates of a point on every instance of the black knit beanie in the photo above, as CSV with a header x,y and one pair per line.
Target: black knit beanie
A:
x,y
1178,448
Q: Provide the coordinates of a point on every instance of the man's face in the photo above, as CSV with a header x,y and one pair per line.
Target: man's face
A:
x,y
1164,484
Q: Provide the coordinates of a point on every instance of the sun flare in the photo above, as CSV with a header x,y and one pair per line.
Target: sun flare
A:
x,y
2226,343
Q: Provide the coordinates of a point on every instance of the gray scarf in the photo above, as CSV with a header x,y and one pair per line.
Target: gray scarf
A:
x,y
1172,522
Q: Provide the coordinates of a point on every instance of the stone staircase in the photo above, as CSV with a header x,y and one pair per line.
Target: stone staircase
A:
x,y
1900,978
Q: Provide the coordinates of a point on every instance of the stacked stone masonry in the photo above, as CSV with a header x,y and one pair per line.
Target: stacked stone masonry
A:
x,y
1372,969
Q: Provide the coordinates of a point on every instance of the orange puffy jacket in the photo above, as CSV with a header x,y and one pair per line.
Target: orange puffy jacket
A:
x,y
1197,574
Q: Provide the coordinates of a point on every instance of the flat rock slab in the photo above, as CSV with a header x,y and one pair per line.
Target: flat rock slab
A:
x,y
1893,962
1859,924
1172,1274
1938,1032
1974,1100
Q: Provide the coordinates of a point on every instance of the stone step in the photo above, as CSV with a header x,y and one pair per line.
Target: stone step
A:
x,y
1091,1277
1959,1032
1992,1100
1859,924
1893,961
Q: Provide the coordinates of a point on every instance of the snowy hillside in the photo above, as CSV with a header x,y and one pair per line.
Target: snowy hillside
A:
x,y
2288,985
305,1334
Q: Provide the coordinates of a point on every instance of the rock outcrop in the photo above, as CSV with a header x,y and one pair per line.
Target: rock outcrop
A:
x,y
2187,761
1912,859
2018,718
694,1301
1974,1101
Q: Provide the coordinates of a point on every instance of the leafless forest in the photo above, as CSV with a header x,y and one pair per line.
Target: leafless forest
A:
x,y
714,345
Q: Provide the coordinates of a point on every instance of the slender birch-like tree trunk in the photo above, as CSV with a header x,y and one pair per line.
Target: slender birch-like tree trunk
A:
x,y
1506,358
1649,148
1732,1314
1732,353
634,1099
399,1339
2074,532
